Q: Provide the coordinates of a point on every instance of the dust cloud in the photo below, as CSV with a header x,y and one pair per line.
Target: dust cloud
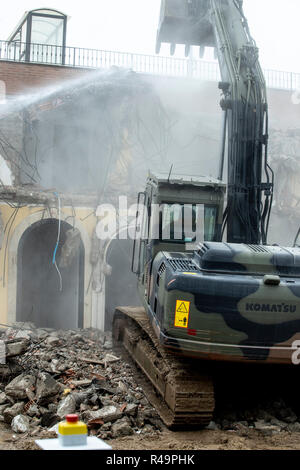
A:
x,y
103,133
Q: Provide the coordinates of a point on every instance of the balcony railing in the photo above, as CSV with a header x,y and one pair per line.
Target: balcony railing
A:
x,y
141,63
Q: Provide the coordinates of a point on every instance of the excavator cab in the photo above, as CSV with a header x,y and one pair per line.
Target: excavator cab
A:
x,y
175,213
185,22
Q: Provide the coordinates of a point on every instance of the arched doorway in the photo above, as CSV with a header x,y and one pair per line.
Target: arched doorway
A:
x,y
41,298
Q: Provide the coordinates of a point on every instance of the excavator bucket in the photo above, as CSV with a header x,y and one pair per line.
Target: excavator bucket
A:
x,y
185,22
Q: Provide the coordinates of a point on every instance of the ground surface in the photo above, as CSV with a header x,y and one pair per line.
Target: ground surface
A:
x,y
209,440
167,440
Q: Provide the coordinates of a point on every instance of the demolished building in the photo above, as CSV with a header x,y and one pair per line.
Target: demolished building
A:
x,y
67,153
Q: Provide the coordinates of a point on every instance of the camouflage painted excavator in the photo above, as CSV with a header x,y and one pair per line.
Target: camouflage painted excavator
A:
x,y
202,298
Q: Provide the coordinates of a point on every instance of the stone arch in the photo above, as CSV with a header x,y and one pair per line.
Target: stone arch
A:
x,y
50,294
25,224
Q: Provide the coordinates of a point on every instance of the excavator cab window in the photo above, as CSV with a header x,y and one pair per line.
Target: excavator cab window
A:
x,y
141,233
181,223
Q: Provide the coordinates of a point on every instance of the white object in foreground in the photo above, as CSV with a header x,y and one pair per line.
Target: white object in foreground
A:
x,y
93,443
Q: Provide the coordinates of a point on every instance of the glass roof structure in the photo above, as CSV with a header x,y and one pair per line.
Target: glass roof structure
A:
x,y
40,28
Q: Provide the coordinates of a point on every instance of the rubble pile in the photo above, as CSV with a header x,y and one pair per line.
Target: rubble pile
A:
x,y
49,374
261,403
269,419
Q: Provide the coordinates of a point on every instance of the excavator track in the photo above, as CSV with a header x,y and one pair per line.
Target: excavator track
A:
x,y
181,394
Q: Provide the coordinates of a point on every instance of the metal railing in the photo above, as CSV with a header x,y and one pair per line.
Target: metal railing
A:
x,y
141,63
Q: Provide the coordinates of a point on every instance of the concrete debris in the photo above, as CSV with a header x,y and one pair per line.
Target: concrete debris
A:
x,y
48,419
66,406
3,398
147,429
20,386
122,386
2,409
20,330
53,341
46,387
268,418
212,426
110,358
10,369
20,424
131,409
287,415
56,373
107,344
81,383
121,428
267,429
33,410
294,427
11,412
241,428
15,347
23,334
107,413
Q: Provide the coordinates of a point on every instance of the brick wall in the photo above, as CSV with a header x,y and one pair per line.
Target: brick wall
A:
x,y
20,78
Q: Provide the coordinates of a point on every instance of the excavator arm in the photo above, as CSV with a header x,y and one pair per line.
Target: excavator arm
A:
x,y
222,24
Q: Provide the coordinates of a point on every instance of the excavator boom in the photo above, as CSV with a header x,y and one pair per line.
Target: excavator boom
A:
x,y
222,24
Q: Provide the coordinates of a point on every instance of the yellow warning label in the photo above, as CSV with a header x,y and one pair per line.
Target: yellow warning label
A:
x,y
182,314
